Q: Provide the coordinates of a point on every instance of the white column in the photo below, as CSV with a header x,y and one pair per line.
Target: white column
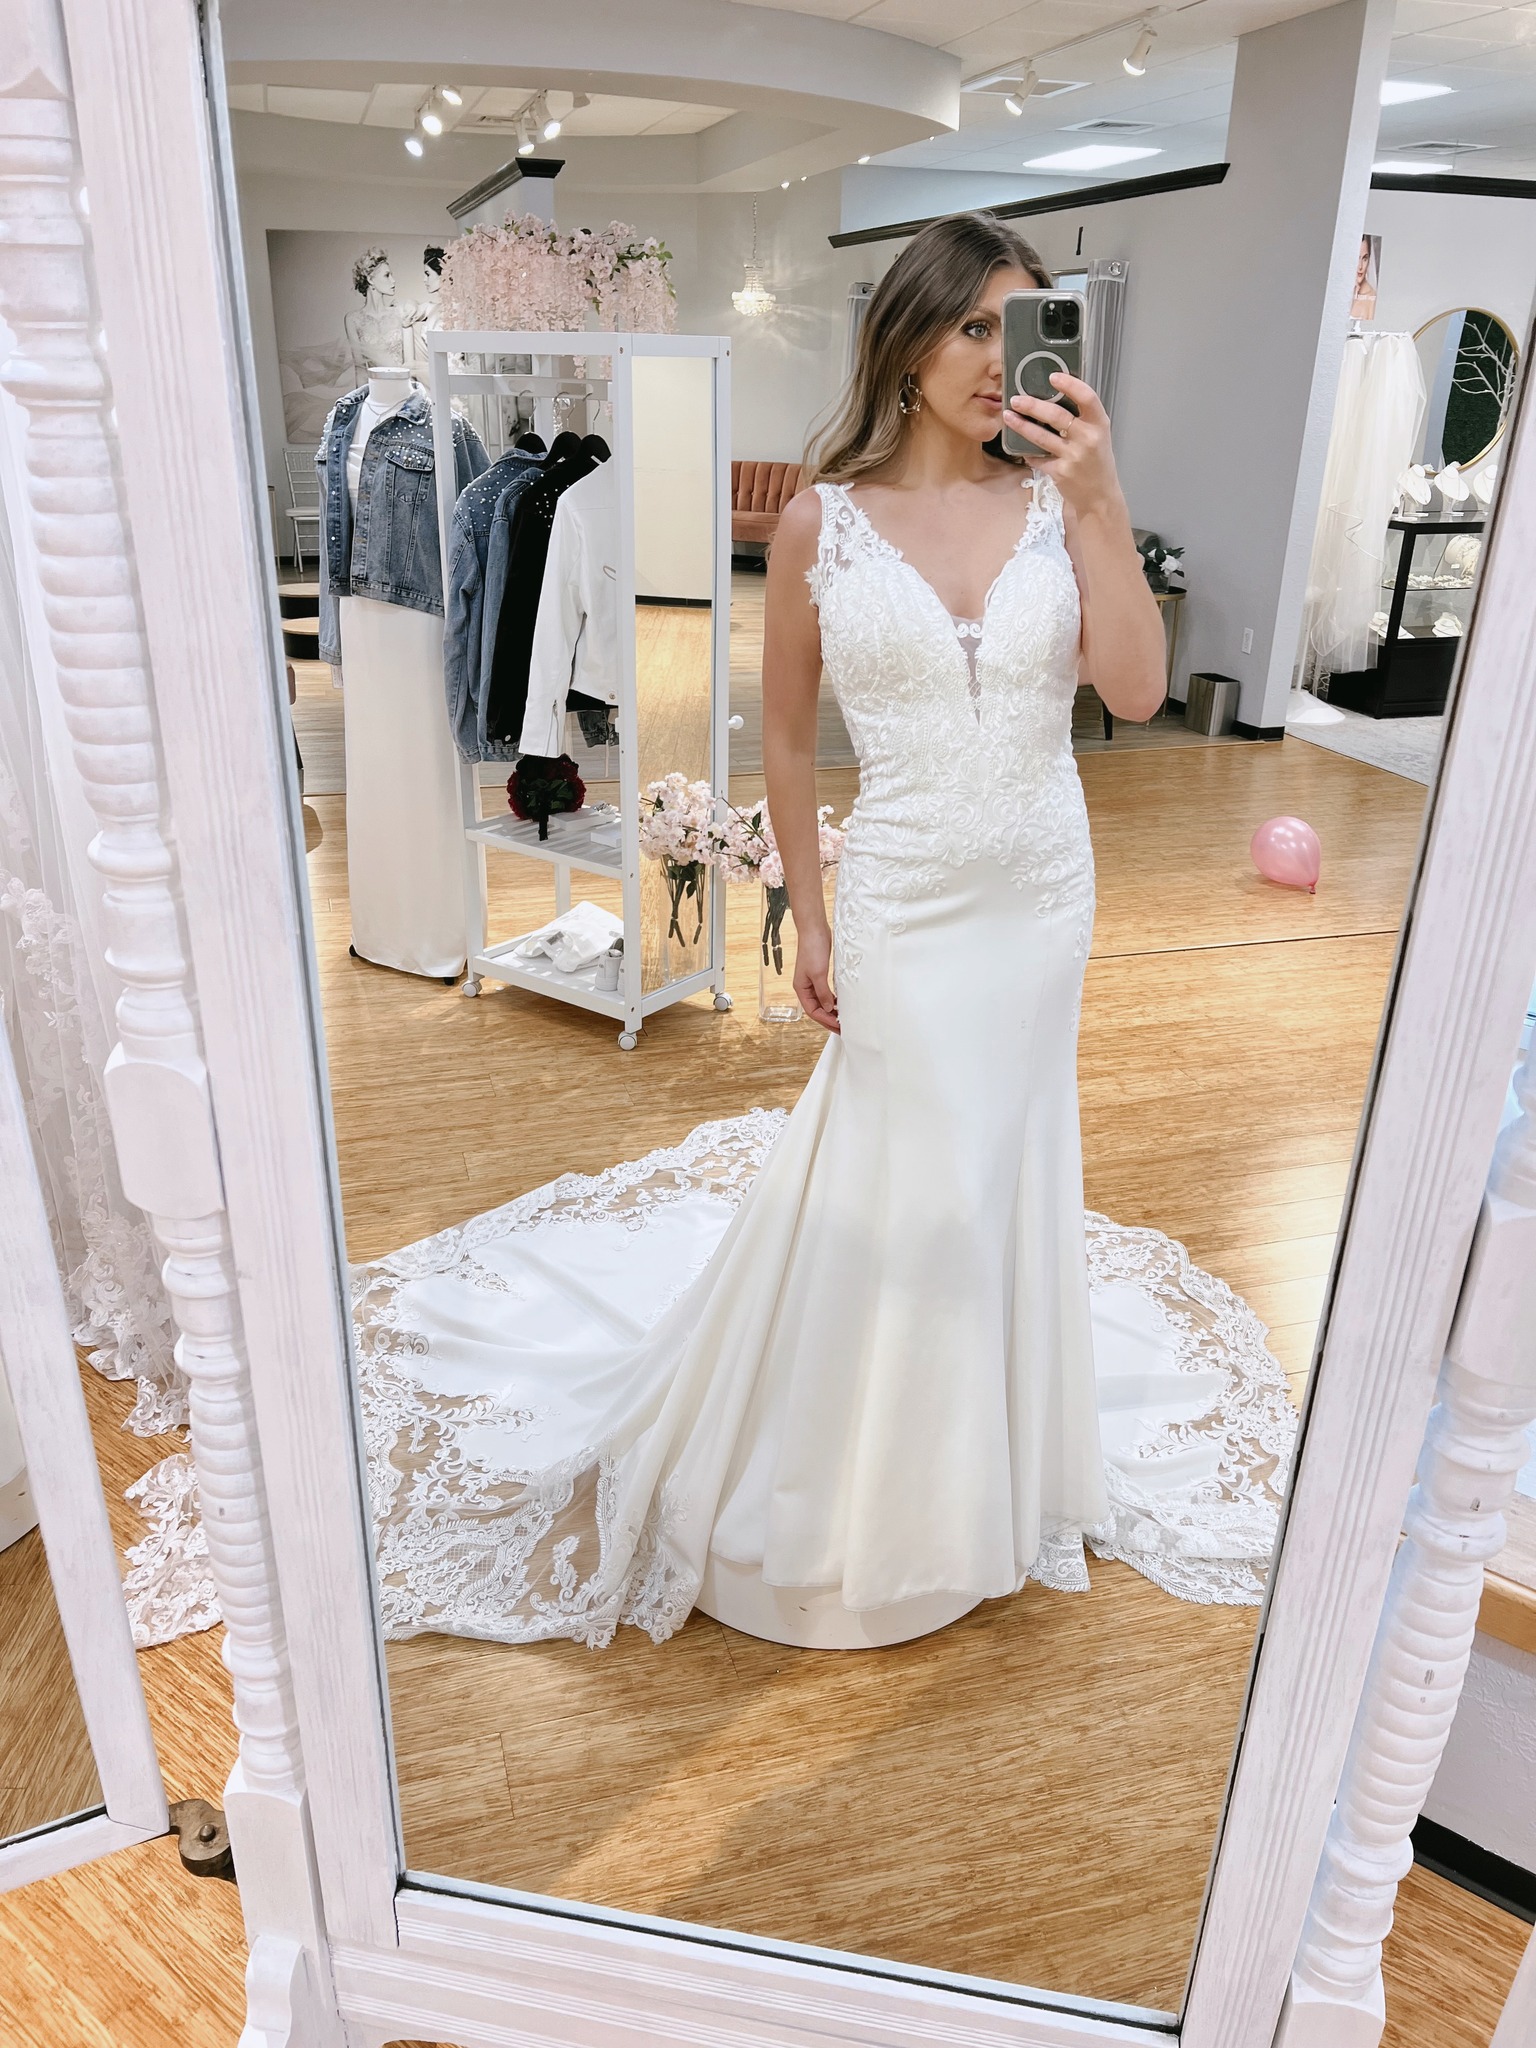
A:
x,y
1237,312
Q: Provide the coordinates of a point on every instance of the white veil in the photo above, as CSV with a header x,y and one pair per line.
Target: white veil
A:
x,y
57,995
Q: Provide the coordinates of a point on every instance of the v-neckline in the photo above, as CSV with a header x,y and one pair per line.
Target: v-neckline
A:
x,y
955,618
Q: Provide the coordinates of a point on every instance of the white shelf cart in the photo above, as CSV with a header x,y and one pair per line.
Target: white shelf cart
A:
x,y
563,364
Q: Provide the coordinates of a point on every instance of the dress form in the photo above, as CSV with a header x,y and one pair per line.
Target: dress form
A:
x,y
404,832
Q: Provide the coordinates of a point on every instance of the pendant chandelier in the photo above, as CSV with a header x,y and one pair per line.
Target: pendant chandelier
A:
x,y
754,299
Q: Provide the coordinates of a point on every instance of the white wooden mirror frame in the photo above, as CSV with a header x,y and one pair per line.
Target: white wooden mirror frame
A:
x,y
220,1114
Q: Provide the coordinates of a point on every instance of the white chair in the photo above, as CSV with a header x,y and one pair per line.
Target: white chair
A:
x,y
304,492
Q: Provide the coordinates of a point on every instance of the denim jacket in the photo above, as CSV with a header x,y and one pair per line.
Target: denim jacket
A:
x,y
475,585
389,550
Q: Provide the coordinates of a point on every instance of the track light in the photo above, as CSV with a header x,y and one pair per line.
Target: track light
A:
x,y
415,145
525,141
451,95
1136,63
1014,101
549,124
432,121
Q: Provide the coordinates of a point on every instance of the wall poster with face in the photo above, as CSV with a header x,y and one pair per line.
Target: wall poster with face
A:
x,y
341,303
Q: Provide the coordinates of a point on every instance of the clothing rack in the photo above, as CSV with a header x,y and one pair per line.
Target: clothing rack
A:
x,y
575,842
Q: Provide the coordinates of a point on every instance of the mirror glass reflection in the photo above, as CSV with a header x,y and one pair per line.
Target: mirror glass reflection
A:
x,y
47,1770
824,1481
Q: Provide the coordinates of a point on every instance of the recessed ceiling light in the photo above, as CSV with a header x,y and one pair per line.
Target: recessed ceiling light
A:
x,y
783,184
1093,156
863,159
1416,168
415,145
1396,92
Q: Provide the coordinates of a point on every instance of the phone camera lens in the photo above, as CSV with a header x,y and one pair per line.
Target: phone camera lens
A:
x,y
1060,320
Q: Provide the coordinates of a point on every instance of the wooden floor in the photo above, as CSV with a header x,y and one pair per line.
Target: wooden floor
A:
x,y
46,1768
1052,1824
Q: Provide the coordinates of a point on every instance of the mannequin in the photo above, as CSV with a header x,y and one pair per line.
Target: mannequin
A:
x,y
404,833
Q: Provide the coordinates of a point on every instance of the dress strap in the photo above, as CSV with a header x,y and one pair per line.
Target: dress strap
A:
x,y
840,540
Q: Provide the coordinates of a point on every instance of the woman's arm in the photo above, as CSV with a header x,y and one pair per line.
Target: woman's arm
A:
x,y
1124,654
791,684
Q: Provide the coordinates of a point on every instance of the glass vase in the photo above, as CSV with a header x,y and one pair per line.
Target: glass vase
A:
x,y
683,917
777,1002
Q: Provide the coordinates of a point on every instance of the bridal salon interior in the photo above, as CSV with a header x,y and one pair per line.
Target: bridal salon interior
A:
x,y
538,318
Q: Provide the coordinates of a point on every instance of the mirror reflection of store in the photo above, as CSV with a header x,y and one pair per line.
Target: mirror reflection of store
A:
x,y
534,1181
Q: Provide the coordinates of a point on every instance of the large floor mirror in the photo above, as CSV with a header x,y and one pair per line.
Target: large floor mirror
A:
x,y
824,1473
621,1671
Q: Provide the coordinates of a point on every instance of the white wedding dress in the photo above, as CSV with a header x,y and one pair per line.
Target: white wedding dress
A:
x,y
868,1353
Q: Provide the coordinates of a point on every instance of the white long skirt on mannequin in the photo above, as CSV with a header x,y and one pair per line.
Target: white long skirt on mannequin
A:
x,y
405,837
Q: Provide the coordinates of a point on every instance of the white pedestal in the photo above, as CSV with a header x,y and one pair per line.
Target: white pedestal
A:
x,y
814,1617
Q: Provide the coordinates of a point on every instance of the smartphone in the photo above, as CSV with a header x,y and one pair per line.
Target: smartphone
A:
x,y
1042,332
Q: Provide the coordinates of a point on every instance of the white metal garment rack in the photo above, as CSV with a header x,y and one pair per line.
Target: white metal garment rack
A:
x,y
563,363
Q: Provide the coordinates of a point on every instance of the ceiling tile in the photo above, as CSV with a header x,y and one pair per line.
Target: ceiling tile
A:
x,y
316,103
932,21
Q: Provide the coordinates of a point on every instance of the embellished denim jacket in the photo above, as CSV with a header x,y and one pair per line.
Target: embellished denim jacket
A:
x,y
389,549
476,579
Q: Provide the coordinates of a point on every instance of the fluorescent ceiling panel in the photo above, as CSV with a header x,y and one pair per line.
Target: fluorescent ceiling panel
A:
x,y
1092,156
1396,92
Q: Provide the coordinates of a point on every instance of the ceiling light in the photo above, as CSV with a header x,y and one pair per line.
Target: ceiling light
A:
x,y
432,121
525,143
1418,169
451,96
1014,101
415,145
1396,92
1092,156
549,124
783,184
863,159
1136,63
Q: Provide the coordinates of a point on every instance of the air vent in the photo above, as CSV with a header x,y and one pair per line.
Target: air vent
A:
x,y
1438,148
1109,127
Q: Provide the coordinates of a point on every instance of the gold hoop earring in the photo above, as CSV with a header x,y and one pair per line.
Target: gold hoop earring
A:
x,y
910,397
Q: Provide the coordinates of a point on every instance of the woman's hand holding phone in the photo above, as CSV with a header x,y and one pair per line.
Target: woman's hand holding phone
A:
x,y
1075,451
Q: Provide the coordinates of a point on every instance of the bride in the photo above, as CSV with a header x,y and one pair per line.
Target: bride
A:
x,y
834,1378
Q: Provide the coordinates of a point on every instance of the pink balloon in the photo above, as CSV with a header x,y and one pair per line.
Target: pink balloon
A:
x,y
1288,851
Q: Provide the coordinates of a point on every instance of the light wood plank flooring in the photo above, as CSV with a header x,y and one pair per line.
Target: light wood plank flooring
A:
x,y
46,1768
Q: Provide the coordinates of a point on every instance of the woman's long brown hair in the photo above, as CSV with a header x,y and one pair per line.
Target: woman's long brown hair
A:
x,y
923,297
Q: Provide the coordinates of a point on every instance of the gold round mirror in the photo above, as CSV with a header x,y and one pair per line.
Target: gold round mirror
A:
x,y
1469,358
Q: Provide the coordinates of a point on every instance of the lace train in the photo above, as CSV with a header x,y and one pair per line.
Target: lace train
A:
x,y
469,1546
463,1545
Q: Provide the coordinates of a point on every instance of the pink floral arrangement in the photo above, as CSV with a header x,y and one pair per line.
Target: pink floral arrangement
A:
x,y
527,275
676,818
743,848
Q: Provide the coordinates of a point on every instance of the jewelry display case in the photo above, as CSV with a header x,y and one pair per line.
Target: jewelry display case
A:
x,y
1415,638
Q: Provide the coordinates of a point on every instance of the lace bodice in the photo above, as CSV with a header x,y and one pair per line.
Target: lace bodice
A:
x,y
963,728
